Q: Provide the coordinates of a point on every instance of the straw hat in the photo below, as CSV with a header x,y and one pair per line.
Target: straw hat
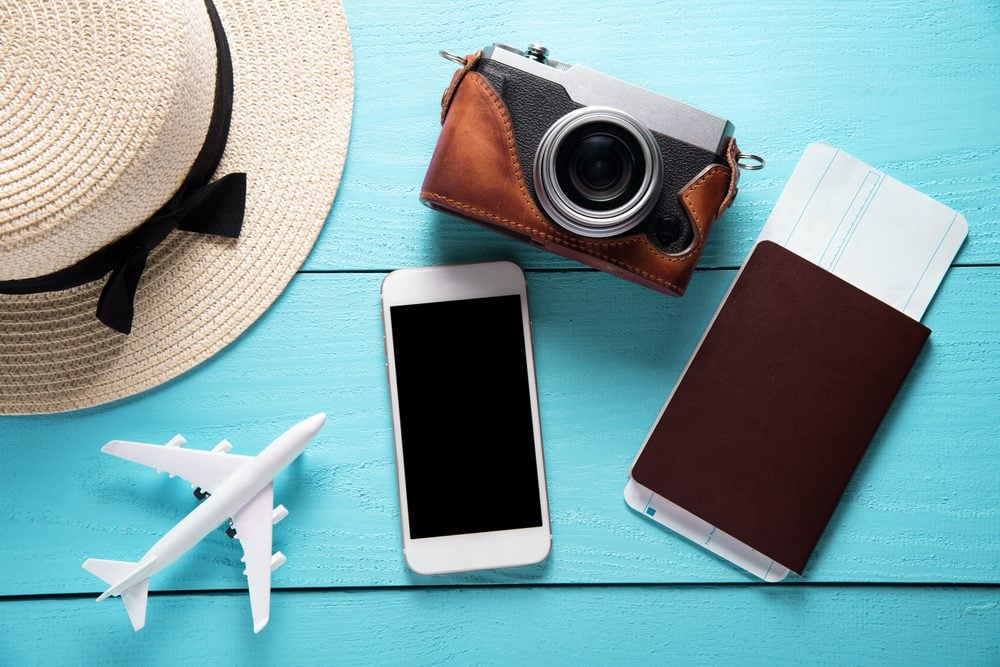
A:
x,y
113,198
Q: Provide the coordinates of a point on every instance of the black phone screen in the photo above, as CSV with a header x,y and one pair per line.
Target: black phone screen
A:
x,y
465,416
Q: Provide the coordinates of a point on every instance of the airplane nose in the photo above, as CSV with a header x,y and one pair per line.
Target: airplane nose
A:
x,y
314,423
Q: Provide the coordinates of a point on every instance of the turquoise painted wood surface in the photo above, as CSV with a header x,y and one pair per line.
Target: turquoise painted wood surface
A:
x,y
910,87
923,507
528,625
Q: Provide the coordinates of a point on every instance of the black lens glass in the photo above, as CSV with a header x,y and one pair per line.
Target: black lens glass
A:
x,y
600,166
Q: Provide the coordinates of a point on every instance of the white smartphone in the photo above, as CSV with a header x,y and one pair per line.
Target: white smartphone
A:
x,y
465,418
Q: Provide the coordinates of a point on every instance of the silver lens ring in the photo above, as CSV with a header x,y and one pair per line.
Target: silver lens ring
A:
x,y
580,219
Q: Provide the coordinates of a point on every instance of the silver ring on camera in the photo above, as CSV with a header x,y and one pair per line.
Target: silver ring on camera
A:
x,y
756,161
590,222
448,55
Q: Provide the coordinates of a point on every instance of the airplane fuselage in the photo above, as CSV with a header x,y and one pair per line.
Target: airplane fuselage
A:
x,y
235,492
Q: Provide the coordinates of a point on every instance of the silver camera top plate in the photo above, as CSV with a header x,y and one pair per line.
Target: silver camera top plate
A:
x,y
592,88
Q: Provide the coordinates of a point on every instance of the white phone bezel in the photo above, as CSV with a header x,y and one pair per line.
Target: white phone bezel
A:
x,y
471,551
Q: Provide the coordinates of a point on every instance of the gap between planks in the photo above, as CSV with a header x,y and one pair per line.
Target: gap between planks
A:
x,y
900,585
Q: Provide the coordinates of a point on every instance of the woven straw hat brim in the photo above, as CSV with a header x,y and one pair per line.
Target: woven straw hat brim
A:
x,y
293,98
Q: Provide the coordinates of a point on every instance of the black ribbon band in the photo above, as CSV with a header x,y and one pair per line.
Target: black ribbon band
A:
x,y
198,206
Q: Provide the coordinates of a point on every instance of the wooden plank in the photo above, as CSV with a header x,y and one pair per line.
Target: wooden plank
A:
x,y
923,506
909,87
566,625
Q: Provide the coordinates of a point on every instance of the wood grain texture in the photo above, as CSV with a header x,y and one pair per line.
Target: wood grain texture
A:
x,y
924,505
911,88
743,625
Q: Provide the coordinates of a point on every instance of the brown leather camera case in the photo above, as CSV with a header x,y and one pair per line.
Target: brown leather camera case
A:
x,y
475,173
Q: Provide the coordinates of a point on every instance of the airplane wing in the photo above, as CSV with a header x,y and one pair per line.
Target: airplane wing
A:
x,y
201,468
253,524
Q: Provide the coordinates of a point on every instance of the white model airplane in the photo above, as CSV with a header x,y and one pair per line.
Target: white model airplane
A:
x,y
234,487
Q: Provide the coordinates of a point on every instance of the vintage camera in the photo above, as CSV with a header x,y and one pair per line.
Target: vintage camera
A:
x,y
582,164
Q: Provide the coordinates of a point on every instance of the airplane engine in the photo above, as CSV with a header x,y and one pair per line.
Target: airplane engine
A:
x,y
223,447
279,513
277,560
176,441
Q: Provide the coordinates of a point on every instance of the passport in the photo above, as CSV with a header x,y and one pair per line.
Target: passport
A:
x,y
769,420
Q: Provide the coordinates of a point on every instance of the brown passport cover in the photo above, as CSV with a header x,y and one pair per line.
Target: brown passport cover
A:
x,y
778,404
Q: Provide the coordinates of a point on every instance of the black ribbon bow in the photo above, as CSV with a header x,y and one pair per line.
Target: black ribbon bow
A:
x,y
216,208
198,206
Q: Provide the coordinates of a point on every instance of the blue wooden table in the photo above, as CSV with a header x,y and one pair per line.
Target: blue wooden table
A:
x,y
909,569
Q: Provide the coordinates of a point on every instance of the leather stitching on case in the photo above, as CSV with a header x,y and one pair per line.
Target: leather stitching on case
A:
x,y
732,151
506,221
697,216
583,246
456,79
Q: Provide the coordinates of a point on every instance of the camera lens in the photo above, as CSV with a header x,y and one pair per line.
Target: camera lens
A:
x,y
597,167
597,172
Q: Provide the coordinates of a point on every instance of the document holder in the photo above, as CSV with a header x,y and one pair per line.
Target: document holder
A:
x,y
779,402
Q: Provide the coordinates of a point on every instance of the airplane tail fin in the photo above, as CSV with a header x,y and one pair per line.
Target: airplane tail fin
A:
x,y
116,573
